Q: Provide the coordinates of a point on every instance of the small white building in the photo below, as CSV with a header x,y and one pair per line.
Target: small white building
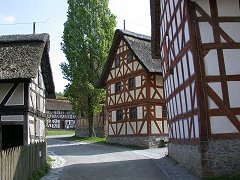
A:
x,y
60,114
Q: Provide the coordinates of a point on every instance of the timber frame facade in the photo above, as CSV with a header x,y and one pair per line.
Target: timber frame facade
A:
x,y
59,114
25,81
198,42
135,98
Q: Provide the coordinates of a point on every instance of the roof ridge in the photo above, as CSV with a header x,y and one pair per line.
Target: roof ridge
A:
x,y
43,37
133,34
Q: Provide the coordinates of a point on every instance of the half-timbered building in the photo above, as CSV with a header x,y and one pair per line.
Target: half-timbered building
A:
x,y
135,102
60,114
25,81
198,42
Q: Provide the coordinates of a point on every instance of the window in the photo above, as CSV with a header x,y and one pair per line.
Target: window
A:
x,y
131,83
117,61
164,111
133,113
117,87
129,57
119,116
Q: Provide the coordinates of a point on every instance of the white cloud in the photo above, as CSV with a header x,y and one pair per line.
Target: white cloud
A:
x,y
8,19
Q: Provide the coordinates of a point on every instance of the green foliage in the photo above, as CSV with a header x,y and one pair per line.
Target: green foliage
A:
x,y
87,38
98,140
60,95
59,132
37,175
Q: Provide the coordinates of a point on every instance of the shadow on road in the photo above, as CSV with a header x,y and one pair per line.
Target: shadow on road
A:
x,y
97,161
130,169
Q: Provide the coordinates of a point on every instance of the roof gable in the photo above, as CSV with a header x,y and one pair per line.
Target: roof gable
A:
x,y
140,46
21,56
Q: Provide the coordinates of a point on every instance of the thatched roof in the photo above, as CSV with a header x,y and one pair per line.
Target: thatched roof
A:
x,y
139,45
21,56
57,105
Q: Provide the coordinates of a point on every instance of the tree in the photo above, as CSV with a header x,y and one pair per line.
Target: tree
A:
x,y
87,38
60,95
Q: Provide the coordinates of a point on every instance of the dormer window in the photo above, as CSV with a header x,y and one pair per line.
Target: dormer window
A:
x,y
117,87
131,83
129,57
117,61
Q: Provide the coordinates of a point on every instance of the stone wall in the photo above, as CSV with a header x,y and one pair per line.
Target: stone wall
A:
x,y
222,157
188,155
213,158
83,131
141,141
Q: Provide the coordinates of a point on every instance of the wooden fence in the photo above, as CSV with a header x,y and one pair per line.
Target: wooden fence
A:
x,y
19,163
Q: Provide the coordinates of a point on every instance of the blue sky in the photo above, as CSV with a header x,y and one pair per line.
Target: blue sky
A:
x,y
23,12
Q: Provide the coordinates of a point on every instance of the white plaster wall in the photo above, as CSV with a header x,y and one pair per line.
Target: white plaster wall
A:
x,y
204,4
31,129
234,93
144,129
221,124
112,86
232,60
12,118
228,7
211,63
159,80
113,116
137,94
17,98
154,129
165,126
123,131
110,131
140,112
190,61
4,88
138,80
158,111
134,125
206,32
129,129
216,86
188,98
232,29
196,125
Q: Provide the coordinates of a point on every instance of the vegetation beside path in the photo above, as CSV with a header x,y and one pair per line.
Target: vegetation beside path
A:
x,y
59,132
37,175
98,140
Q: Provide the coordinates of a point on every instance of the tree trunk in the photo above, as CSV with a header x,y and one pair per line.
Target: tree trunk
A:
x,y
91,130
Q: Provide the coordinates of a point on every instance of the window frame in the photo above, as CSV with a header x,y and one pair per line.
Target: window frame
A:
x,y
129,60
131,83
117,61
164,111
118,87
133,111
119,113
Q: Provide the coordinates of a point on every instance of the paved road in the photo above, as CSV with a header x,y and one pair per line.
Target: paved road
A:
x,y
83,161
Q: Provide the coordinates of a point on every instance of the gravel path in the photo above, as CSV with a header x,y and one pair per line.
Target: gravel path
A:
x,y
82,161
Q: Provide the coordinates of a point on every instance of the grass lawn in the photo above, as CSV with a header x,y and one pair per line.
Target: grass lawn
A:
x,y
59,132
98,140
